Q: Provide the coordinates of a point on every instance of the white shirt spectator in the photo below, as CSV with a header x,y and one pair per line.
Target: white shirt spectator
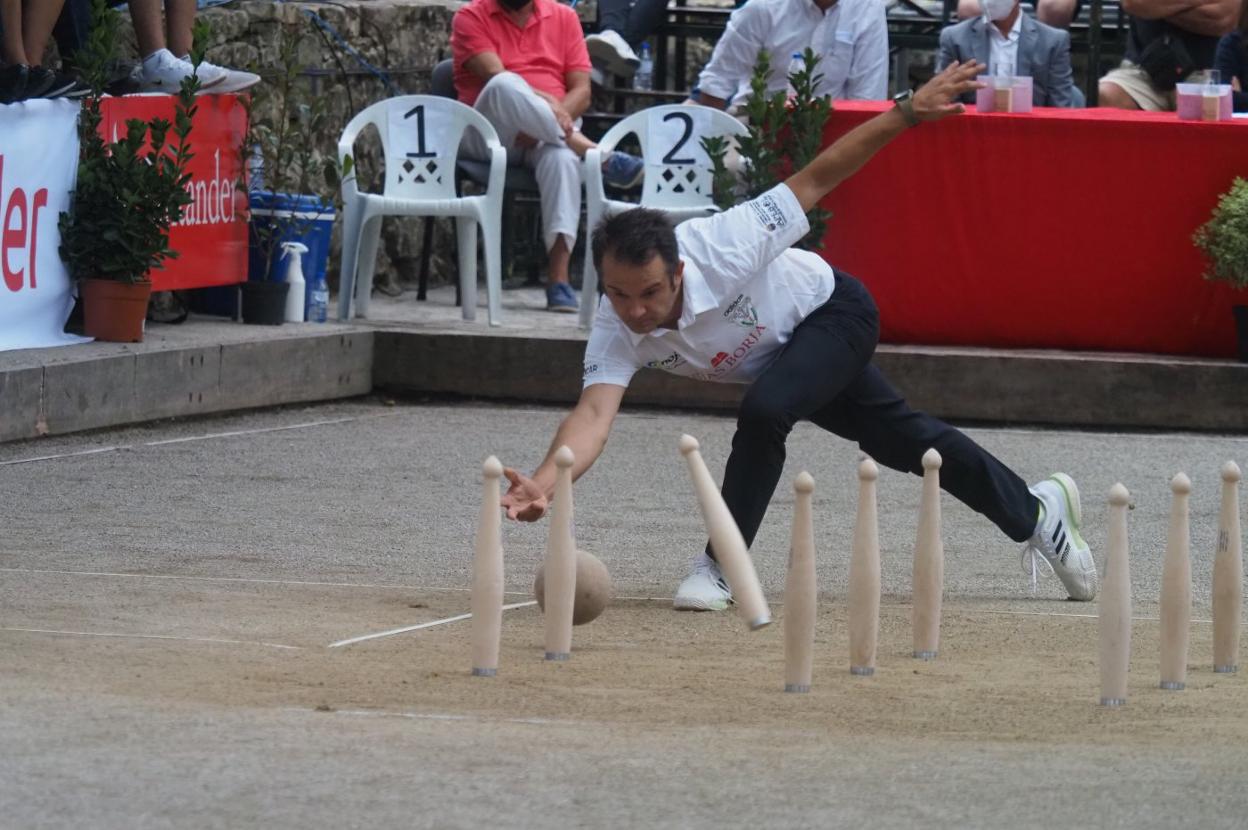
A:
x,y
1003,49
851,39
745,290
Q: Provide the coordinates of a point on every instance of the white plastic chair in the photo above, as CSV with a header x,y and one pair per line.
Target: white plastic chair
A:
x,y
678,172
420,137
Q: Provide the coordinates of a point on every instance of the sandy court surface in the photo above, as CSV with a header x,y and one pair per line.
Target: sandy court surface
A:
x,y
166,611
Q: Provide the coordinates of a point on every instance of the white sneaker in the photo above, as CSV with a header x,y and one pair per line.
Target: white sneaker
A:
x,y
613,53
162,72
1057,543
704,589
229,80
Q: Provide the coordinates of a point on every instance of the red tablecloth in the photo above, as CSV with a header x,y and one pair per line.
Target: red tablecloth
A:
x,y
1064,229
211,239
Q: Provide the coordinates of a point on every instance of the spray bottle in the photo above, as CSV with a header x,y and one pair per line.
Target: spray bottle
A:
x,y
294,251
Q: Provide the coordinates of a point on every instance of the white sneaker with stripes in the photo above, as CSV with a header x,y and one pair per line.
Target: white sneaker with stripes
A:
x,y
1057,545
704,589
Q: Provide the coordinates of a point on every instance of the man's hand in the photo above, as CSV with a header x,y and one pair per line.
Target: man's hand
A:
x,y
524,501
562,115
939,97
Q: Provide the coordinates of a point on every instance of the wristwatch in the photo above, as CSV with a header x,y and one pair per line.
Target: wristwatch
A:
x,y
904,101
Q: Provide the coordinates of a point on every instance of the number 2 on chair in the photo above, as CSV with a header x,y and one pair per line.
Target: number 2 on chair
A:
x,y
671,158
419,112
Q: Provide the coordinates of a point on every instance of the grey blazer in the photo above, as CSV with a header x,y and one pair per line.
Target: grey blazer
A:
x,y
1043,53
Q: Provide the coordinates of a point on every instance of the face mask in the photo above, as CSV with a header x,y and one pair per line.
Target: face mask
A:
x,y
997,9
517,5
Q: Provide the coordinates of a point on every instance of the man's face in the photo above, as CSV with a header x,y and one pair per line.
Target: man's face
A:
x,y
645,297
513,5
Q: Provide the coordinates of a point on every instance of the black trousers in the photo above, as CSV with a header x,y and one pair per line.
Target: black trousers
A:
x,y
824,375
633,20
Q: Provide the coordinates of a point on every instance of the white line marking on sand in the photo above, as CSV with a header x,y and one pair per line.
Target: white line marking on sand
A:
x,y
154,637
405,629
205,437
1062,614
286,582
439,716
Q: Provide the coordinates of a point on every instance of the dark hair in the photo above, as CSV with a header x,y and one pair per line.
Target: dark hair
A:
x,y
635,237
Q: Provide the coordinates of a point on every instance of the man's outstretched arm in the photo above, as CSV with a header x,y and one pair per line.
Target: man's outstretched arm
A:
x,y
584,431
934,100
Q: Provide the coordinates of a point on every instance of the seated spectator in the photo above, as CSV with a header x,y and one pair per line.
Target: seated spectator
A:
x,y
849,36
1056,13
26,27
1231,60
1004,35
165,50
1177,39
524,66
622,27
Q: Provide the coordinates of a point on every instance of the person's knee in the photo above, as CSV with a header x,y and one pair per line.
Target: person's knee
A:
x,y
504,83
1109,94
761,413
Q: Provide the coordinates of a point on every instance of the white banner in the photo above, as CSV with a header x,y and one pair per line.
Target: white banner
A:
x,y
38,162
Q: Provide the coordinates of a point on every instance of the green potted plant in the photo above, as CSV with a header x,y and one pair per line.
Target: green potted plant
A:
x,y
129,192
1224,241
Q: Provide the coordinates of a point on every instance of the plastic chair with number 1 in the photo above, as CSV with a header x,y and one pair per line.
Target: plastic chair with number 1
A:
x,y
420,137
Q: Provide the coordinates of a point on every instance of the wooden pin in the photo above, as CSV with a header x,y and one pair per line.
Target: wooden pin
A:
x,y
929,563
864,576
1114,610
1176,589
487,575
800,592
726,540
560,588
1228,576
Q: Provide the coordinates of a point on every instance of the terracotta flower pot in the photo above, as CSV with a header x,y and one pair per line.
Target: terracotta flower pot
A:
x,y
114,311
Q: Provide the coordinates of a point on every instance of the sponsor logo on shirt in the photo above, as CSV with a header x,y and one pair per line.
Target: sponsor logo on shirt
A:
x,y
742,312
668,363
590,368
768,213
723,362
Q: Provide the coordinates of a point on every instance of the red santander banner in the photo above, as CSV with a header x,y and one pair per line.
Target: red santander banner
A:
x,y
211,239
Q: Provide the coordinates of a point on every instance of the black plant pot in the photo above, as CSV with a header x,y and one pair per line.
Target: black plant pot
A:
x,y
264,303
1241,330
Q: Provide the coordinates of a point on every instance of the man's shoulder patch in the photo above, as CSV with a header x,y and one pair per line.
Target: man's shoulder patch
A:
x,y
768,213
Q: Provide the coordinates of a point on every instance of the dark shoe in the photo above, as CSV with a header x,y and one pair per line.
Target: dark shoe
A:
x,y
13,83
622,171
56,84
560,297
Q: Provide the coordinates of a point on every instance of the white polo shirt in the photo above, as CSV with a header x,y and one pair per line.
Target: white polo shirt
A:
x,y
745,290
851,39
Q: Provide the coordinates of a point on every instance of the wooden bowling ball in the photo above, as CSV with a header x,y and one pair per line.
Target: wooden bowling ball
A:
x,y
593,588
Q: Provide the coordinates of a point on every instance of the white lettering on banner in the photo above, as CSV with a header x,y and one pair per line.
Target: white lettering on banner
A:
x,y
212,202
38,159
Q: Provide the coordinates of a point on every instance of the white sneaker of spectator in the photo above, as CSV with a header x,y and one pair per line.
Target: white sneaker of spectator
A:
x,y
613,53
162,72
233,80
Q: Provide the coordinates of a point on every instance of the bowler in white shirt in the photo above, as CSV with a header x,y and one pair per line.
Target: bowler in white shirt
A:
x,y
726,298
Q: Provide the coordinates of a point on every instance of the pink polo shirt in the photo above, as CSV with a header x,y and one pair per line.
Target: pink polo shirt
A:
x,y
550,45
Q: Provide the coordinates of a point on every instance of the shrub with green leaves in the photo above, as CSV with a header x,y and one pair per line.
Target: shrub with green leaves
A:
x,y
1224,238
783,137
126,197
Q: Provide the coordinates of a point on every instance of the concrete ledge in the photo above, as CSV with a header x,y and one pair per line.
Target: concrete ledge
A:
x,y
1056,388
56,391
209,368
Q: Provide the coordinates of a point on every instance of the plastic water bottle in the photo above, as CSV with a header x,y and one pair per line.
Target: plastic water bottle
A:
x,y
644,79
318,300
255,169
796,64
